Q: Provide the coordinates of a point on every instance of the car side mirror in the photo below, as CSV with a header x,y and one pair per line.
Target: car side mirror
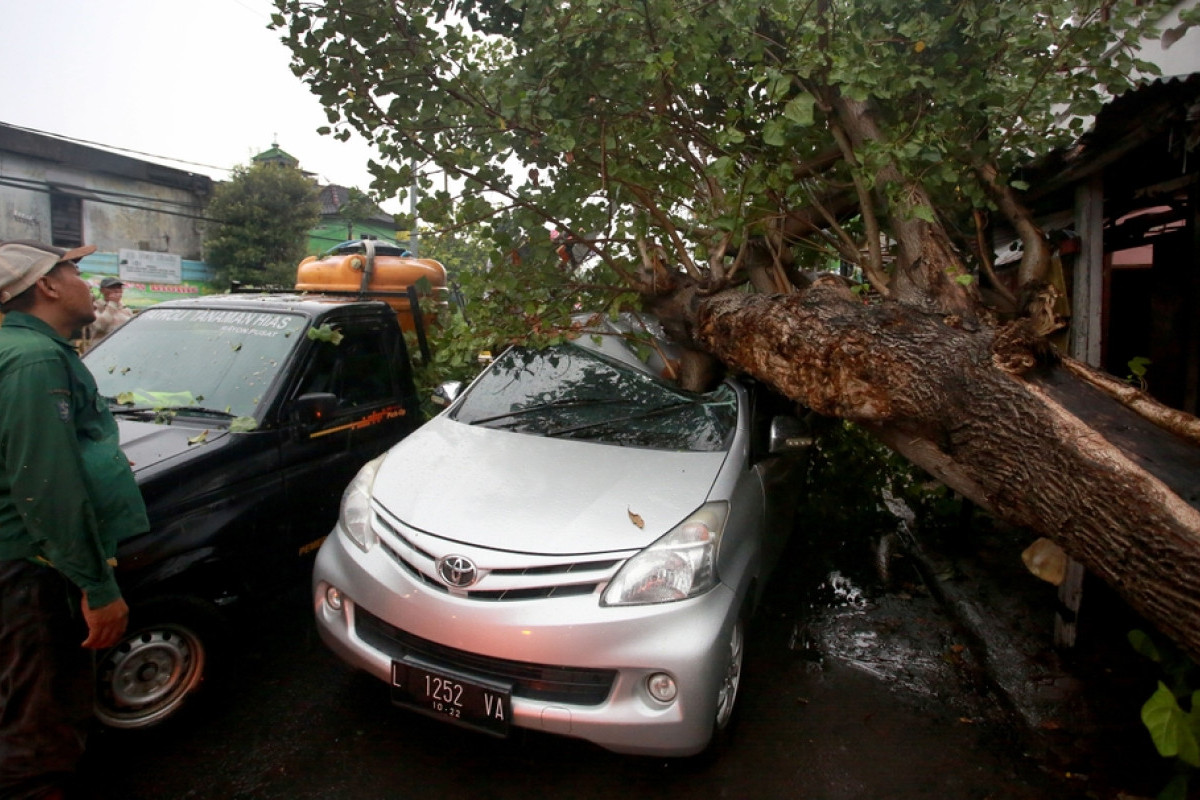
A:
x,y
447,393
788,435
314,408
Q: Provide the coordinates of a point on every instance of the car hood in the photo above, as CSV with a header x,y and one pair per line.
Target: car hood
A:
x,y
533,494
147,444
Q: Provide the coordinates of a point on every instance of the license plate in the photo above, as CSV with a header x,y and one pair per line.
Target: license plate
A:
x,y
466,701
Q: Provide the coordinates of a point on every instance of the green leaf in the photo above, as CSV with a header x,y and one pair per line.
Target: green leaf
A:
x,y
778,85
325,333
1143,644
243,424
774,132
800,109
723,167
1138,365
1169,727
1176,789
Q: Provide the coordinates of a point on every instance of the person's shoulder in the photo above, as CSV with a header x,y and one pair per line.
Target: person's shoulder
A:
x,y
14,336
21,347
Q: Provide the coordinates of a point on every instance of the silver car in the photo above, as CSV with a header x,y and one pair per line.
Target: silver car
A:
x,y
573,546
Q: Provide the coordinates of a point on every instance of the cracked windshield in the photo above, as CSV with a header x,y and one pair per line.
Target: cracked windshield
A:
x,y
569,391
201,361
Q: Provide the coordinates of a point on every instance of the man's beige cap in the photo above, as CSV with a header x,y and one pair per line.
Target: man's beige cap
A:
x,y
22,263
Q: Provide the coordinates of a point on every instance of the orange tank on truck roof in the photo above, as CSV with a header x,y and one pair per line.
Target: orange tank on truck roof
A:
x,y
370,268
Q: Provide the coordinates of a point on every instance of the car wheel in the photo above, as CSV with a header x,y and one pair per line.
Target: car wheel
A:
x,y
728,690
162,660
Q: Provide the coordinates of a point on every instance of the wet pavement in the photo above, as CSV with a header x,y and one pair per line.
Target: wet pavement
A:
x,y
1080,707
858,684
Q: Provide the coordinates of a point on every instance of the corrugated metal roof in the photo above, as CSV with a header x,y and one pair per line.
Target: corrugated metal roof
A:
x,y
1159,120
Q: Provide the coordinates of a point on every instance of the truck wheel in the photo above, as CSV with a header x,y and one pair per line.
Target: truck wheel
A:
x,y
163,658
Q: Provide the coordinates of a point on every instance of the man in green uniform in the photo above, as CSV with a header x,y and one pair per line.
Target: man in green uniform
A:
x,y
67,495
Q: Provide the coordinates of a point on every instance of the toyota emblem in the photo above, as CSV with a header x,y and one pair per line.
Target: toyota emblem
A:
x,y
457,571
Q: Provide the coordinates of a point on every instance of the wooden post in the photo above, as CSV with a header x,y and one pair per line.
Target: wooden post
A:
x,y
1087,330
1070,594
1191,390
1087,290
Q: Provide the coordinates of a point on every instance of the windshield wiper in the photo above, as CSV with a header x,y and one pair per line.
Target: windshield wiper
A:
x,y
650,412
553,404
180,409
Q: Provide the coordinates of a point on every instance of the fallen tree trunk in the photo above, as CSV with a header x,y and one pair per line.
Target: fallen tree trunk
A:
x,y
994,415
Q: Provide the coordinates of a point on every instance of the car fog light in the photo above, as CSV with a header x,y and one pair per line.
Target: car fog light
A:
x,y
662,687
333,598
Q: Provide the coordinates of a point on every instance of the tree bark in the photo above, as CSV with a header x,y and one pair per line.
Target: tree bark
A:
x,y
994,415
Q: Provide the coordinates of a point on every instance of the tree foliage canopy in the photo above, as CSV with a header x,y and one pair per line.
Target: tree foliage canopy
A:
x,y
709,134
261,218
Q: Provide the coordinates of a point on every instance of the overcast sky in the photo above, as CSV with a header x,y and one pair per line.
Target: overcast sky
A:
x,y
201,82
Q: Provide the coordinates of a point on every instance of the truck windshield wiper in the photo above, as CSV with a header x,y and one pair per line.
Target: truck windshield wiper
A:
x,y
180,409
553,404
649,412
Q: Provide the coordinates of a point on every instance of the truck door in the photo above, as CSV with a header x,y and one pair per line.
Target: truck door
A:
x,y
366,370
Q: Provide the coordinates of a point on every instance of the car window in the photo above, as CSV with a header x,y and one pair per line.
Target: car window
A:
x,y
570,392
381,249
215,358
356,369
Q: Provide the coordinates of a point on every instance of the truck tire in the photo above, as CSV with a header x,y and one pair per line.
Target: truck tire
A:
x,y
160,663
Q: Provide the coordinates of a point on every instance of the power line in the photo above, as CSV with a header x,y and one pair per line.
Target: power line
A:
x,y
20,184
85,192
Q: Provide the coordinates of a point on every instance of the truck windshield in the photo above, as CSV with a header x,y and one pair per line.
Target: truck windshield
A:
x,y
210,358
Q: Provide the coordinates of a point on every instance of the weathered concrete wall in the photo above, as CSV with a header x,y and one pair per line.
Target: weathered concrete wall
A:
x,y
118,212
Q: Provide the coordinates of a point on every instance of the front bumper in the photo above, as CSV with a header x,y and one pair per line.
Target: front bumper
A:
x,y
687,640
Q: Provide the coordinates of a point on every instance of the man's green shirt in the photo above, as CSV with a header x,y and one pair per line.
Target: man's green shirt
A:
x,y
67,494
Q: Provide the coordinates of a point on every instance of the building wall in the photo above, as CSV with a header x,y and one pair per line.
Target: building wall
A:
x,y
117,211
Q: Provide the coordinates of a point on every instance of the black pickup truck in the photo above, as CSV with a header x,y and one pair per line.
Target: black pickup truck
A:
x,y
244,416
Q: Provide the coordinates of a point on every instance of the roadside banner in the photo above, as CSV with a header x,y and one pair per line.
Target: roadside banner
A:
x,y
141,294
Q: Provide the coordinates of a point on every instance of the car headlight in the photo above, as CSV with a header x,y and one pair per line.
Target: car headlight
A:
x,y
355,517
680,565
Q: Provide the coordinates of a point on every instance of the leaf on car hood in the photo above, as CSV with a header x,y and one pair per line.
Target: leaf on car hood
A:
x,y
199,437
635,519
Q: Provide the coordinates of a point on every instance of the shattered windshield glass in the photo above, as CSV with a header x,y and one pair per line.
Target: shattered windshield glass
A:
x,y
570,392
216,360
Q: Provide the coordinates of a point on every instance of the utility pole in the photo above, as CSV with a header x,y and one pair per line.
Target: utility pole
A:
x,y
412,213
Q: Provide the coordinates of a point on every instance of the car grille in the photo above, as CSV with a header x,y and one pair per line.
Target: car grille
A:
x,y
581,687
542,581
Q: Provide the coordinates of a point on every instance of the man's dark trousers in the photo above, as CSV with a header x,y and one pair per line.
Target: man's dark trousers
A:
x,y
45,680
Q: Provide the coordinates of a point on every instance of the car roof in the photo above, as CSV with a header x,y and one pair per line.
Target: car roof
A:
x,y
309,305
609,335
